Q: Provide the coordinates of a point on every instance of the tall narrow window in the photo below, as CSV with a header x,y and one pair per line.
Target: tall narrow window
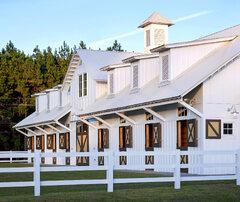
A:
x,y
84,84
111,84
165,72
135,76
80,86
48,101
148,38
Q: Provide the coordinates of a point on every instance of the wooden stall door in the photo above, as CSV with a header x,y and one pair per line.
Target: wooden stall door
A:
x,y
82,144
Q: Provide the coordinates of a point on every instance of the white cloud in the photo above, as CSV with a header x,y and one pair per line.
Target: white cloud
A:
x,y
188,17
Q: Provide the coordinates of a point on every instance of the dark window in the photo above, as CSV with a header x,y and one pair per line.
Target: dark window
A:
x,y
182,111
80,86
103,139
149,116
227,128
122,139
84,84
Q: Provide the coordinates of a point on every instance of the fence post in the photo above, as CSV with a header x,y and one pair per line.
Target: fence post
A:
x,y
110,172
36,178
29,156
238,167
177,171
11,156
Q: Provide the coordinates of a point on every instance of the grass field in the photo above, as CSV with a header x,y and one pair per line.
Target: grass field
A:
x,y
190,191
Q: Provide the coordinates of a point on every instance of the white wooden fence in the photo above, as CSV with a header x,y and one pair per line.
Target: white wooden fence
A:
x,y
110,180
12,159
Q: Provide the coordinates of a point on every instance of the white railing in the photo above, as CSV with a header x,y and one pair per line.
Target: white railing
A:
x,y
110,180
11,159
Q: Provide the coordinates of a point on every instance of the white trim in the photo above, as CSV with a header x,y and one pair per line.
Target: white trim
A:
x,y
31,131
22,132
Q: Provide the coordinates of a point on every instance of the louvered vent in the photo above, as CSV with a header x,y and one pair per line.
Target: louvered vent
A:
x,y
165,68
148,38
111,83
159,37
135,76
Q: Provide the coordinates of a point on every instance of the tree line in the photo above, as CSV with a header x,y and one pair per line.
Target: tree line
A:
x,y
22,75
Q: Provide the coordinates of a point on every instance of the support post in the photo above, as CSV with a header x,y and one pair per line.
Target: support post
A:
x,y
37,157
11,157
110,172
177,172
29,156
238,168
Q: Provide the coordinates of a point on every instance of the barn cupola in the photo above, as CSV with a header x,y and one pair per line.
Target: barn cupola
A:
x,y
155,31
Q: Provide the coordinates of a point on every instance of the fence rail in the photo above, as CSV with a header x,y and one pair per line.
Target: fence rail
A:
x,y
110,180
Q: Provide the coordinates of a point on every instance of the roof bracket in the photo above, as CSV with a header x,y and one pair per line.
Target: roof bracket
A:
x,y
89,124
149,110
126,117
103,121
191,108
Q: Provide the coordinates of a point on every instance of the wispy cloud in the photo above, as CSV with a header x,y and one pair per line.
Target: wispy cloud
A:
x,y
188,17
137,31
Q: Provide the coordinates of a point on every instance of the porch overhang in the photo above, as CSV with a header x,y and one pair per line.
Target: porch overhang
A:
x,y
44,123
120,110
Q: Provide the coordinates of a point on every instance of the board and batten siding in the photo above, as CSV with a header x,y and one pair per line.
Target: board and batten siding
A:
x,y
183,58
220,92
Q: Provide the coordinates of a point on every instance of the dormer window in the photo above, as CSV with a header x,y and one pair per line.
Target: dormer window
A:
x,y
83,85
135,77
111,84
165,68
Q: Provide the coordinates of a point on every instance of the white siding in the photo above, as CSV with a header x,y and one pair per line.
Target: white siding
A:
x,y
183,58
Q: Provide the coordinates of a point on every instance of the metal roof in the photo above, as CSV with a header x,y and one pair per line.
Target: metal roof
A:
x,y
93,61
224,33
191,78
191,43
156,18
44,117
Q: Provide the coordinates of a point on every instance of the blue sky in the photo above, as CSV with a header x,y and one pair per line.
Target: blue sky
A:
x,y
49,22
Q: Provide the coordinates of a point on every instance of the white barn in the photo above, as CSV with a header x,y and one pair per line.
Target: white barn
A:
x,y
173,96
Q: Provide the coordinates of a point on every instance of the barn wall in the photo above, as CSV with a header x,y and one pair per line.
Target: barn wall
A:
x,y
220,92
183,58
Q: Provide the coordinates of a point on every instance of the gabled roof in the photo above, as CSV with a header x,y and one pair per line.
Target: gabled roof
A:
x,y
235,30
93,61
156,18
191,43
44,117
191,78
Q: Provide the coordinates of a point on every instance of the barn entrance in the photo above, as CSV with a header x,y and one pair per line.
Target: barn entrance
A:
x,y
182,142
82,144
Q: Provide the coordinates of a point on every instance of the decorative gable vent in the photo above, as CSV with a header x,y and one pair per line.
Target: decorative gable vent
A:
x,y
111,84
135,76
159,37
165,72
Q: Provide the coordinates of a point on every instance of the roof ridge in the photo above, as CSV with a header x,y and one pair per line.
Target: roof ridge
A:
x,y
105,51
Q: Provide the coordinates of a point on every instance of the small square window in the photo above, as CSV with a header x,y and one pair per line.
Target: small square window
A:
x,y
227,128
182,111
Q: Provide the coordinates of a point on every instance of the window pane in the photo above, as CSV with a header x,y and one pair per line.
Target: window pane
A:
x,y
85,84
80,86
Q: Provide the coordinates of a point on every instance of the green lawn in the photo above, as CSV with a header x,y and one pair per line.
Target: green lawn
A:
x,y
190,191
